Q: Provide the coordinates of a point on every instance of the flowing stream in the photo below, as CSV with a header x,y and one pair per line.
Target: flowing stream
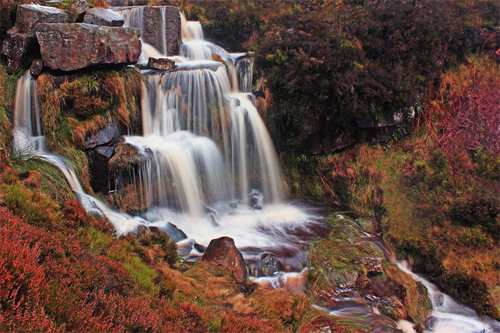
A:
x,y
213,170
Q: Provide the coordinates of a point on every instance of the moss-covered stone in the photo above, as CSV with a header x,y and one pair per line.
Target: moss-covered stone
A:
x,y
338,268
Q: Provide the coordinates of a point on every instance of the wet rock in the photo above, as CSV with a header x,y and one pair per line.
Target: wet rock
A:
x,y
36,67
103,16
161,63
200,248
81,6
70,47
155,17
222,251
20,42
268,265
373,265
100,147
127,156
174,232
218,58
110,135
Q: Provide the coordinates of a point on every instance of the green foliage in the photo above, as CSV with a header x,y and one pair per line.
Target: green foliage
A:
x,y
143,275
36,208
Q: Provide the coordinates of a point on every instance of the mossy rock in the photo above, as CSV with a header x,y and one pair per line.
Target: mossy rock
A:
x,y
127,156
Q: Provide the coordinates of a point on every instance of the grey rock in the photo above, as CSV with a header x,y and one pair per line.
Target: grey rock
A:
x,y
109,135
81,6
28,16
20,42
70,47
103,16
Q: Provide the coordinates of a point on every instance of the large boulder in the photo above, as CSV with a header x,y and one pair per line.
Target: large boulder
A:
x,y
222,251
20,42
28,16
70,47
160,26
103,16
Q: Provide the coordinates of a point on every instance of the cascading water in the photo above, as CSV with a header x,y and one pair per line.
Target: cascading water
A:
x,y
28,138
213,170
189,112
448,315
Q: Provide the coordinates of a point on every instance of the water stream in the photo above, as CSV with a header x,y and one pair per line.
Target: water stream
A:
x,y
214,171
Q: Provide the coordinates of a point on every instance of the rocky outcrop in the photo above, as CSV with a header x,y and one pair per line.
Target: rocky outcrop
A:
x,y
371,122
21,42
373,265
70,47
222,251
103,16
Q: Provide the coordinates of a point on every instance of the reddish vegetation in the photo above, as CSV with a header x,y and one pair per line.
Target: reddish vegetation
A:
x,y
434,196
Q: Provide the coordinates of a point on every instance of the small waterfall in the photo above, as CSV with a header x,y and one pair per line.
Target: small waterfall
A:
x,y
244,69
28,137
27,123
448,315
134,18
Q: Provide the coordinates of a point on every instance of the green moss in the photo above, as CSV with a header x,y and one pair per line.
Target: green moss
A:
x,y
36,208
143,274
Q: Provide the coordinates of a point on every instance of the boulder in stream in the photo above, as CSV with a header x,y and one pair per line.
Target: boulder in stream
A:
x,y
222,251
70,47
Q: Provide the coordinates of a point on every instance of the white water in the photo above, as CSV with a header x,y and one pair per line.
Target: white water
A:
x,y
213,170
134,17
448,315
197,123
209,143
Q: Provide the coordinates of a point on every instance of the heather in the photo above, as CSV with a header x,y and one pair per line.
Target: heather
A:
x,y
386,113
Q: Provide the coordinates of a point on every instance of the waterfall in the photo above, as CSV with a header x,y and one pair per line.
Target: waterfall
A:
x,y
209,143
28,137
27,124
134,18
